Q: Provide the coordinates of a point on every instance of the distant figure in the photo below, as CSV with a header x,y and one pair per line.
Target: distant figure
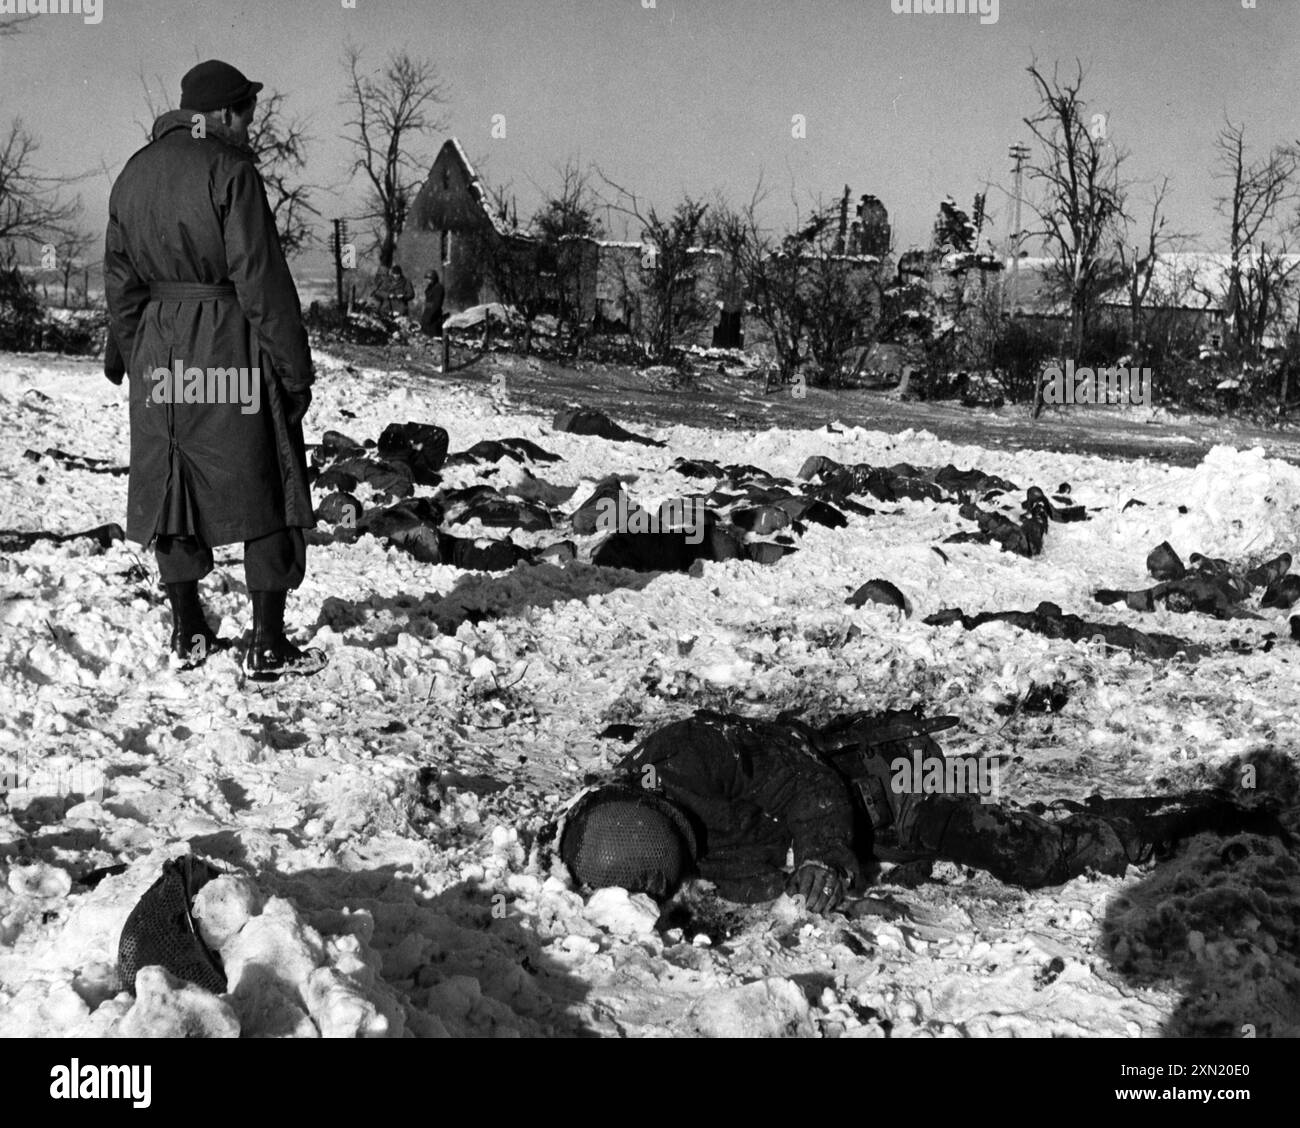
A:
x,y
380,290
400,291
432,317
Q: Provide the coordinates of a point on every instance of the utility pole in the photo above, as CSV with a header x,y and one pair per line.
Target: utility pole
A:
x,y
1018,153
1135,327
340,238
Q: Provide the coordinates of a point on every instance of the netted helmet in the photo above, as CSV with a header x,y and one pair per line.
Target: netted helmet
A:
x,y
627,836
161,929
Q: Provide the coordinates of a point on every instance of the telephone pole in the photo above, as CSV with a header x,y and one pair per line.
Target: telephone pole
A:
x,y
1018,153
340,238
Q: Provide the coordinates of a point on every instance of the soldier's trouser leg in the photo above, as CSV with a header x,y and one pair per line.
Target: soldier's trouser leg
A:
x,y
1014,846
275,562
182,560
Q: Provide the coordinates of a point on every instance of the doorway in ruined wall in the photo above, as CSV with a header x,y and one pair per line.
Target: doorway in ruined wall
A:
x,y
462,271
728,333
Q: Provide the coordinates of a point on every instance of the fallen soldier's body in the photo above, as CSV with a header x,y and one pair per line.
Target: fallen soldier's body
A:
x,y
1047,619
588,421
1210,586
727,799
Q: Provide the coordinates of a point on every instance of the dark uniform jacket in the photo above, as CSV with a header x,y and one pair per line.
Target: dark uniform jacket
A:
x,y
753,790
193,210
431,317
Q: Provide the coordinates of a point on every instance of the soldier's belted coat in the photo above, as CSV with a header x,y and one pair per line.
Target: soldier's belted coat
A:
x,y
193,210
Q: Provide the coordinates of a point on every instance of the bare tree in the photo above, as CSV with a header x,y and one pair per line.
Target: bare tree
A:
x,y
773,272
1257,191
30,206
727,231
31,209
154,105
13,25
843,299
390,108
512,261
1138,262
1268,285
279,143
70,252
815,302
1083,197
674,304
567,215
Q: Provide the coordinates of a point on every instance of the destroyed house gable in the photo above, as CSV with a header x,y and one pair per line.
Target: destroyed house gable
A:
x,y
454,198
445,226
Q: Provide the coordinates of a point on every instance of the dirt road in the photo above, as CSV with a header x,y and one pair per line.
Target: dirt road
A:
x,y
717,400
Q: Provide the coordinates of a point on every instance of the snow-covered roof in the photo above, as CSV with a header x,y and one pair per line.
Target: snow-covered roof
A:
x,y
964,260
1194,280
631,244
1199,279
808,253
479,190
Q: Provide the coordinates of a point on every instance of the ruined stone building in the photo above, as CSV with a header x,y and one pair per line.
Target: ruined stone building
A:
x,y
870,233
445,226
611,283
452,216
608,280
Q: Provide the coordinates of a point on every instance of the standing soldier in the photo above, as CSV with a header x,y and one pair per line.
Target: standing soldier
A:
x,y
431,317
401,291
380,290
195,279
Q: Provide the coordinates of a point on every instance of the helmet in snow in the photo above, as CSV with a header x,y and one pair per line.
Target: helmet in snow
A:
x,y
161,929
628,836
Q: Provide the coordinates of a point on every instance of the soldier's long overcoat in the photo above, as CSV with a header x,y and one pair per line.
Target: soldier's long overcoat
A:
x,y
193,209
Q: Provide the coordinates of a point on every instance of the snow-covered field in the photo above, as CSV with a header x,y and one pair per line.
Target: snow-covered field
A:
x,y
380,818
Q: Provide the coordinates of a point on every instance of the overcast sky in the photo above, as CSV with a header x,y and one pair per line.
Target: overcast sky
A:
x,y
694,95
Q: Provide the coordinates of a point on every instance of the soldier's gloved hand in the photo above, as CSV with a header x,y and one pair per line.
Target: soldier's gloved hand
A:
x,y
299,399
114,367
820,885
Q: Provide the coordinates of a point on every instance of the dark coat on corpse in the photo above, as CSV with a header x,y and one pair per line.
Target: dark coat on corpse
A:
x,y
753,790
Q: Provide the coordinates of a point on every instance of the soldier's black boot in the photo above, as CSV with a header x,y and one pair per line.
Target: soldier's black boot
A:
x,y
192,639
1107,835
270,654
1153,826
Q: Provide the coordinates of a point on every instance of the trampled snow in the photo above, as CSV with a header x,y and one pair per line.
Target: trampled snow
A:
x,y
379,821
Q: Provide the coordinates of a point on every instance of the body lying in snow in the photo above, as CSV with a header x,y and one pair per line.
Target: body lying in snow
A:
x,y
728,799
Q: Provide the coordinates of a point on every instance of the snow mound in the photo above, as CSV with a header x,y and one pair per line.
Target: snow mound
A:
x,y
1238,502
476,315
768,1008
622,914
167,1007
